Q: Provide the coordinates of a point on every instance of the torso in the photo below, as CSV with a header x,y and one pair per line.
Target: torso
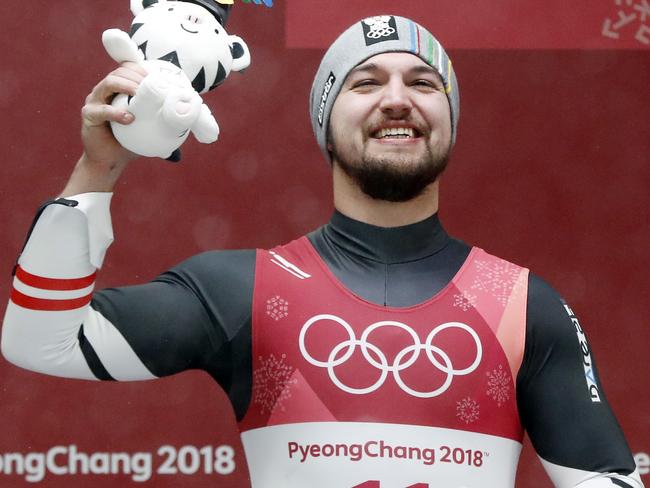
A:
x,y
346,391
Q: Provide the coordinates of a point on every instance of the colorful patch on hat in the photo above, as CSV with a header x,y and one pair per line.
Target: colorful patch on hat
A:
x,y
379,29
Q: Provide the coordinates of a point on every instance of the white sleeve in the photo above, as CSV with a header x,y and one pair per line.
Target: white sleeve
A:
x,y
49,326
565,477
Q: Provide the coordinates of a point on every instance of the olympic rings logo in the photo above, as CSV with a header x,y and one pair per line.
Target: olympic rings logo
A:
x,y
376,33
402,360
379,27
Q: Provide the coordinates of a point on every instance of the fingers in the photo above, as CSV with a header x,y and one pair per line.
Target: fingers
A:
x,y
97,114
124,79
129,71
135,69
97,109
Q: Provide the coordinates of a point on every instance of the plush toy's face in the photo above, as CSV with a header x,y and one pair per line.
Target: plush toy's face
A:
x,y
190,37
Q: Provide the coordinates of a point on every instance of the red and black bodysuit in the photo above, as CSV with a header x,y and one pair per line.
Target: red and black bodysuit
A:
x,y
354,356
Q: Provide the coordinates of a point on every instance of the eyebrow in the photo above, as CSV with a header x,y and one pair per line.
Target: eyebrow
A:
x,y
364,67
373,67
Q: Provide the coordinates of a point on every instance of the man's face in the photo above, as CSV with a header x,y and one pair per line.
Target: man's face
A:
x,y
390,126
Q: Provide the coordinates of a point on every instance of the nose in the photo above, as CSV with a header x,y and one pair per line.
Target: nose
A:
x,y
395,101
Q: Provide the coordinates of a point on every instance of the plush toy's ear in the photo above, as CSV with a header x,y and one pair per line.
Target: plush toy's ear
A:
x,y
138,6
241,56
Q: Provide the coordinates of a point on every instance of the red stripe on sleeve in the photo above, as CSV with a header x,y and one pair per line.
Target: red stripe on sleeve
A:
x,y
48,305
54,283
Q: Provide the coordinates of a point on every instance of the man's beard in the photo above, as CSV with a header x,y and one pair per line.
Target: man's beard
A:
x,y
390,177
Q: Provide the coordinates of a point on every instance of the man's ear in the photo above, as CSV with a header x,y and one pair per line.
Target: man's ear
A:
x,y
138,6
241,56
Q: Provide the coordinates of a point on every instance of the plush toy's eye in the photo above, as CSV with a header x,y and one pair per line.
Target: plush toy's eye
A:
x,y
170,9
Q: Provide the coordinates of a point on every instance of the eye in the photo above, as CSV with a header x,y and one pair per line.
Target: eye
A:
x,y
365,83
170,9
426,85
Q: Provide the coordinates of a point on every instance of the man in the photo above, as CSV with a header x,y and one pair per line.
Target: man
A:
x,y
377,350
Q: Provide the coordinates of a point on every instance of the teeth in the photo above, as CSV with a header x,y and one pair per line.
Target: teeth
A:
x,y
395,132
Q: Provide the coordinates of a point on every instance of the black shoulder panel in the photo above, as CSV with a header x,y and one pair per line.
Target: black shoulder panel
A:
x,y
567,424
197,315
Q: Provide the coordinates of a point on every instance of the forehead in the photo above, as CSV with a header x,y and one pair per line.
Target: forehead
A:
x,y
394,62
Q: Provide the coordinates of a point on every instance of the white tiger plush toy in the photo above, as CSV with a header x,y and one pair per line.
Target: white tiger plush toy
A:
x,y
186,51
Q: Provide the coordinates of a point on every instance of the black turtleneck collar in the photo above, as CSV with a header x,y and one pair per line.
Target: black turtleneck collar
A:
x,y
388,245
394,266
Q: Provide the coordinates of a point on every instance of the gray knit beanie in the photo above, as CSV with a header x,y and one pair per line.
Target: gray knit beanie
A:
x,y
371,36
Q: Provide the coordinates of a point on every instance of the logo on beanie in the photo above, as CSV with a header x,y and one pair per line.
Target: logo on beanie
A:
x,y
323,98
379,29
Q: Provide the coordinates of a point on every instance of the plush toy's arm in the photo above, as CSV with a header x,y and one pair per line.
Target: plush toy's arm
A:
x,y
150,95
205,129
121,47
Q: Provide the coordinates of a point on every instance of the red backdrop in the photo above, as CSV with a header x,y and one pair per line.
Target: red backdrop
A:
x,y
549,171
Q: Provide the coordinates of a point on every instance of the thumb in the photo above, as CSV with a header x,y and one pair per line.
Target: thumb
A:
x,y
95,115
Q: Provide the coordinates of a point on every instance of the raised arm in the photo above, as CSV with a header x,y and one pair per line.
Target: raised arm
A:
x,y
55,274
195,316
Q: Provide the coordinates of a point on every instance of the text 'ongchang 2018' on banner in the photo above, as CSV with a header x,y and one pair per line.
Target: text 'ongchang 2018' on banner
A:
x,y
168,460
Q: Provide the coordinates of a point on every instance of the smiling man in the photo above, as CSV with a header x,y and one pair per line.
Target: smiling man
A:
x,y
391,128
377,351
